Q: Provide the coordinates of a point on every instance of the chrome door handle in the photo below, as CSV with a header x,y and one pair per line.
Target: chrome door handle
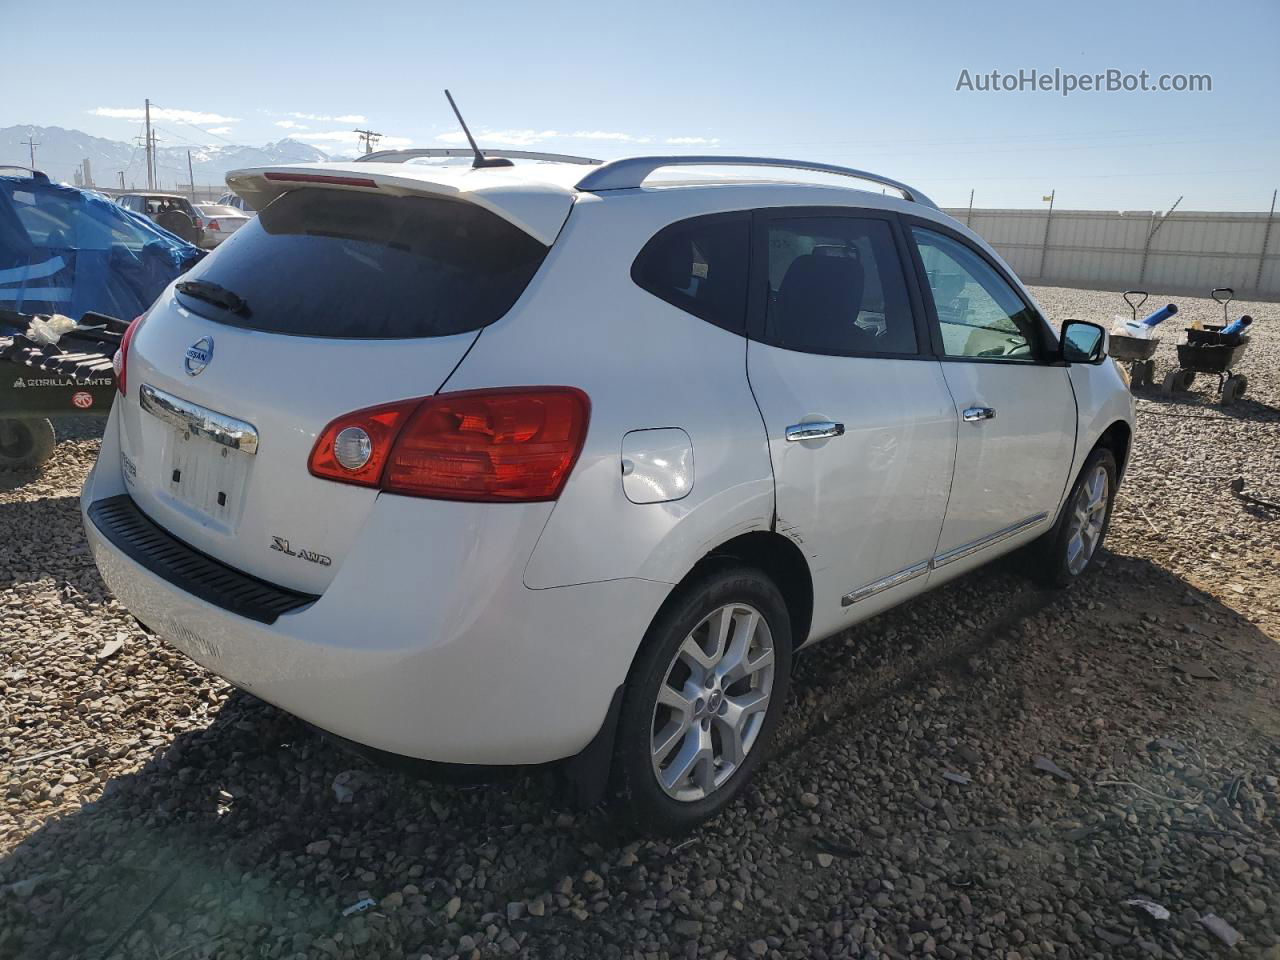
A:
x,y
974,414
816,430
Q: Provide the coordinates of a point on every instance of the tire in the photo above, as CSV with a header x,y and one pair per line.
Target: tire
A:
x,y
1188,378
1233,389
733,594
1148,373
1057,563
1172,381
25,444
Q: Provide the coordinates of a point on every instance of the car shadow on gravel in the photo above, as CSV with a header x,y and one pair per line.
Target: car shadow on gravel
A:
x,y
252,835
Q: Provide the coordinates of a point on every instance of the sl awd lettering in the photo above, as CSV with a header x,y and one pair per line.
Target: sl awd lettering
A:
x,y
282,545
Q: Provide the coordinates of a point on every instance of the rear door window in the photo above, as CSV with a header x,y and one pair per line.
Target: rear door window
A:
x,y
837,286
332,263
700,266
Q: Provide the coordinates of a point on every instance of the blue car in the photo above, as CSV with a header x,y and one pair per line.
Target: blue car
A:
x,y
72,251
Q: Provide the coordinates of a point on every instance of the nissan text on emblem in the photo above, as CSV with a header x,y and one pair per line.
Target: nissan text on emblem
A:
x,y
198,356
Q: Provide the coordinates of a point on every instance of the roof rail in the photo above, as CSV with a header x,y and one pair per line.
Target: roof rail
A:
x,y
400,156
631,172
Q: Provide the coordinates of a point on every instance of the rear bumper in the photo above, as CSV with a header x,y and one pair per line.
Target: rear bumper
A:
x,y
409,650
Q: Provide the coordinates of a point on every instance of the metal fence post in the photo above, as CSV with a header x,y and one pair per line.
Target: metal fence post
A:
x,y
1044,248
1266,239
1146,247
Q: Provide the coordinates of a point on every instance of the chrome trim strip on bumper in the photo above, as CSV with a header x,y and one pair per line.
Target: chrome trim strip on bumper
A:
x,y
886,583
198,420
968,549
918,569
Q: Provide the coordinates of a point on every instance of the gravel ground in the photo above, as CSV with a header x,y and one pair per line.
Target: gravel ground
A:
x,y
990,770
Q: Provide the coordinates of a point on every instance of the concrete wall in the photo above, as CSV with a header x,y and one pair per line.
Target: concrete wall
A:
x,y
1189,254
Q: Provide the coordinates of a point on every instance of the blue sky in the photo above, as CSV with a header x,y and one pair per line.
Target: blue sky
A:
x,y
856,84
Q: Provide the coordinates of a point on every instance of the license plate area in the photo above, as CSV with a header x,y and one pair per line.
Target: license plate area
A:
x,y
207,457
206,477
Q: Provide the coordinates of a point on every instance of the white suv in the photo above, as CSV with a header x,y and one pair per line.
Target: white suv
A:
x,y
550,462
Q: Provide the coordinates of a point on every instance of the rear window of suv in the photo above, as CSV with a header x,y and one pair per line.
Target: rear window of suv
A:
x,y
332,263
700,266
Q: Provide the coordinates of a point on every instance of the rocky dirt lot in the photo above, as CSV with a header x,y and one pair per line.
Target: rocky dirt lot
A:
x,y
990,770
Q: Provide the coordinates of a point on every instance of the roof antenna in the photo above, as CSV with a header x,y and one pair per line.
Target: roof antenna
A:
x,y
481,160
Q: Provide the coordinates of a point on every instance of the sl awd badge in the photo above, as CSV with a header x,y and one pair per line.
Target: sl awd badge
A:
x,y
281,544
198,356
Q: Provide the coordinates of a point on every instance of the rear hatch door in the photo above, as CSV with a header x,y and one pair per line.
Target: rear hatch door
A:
x,y
328,302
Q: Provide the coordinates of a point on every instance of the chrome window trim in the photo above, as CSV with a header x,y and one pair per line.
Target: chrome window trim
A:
x,y
198,420
973,546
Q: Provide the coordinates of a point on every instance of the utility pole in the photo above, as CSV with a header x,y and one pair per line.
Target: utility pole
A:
x,y
969,216
121,172
191,177
31,143
369,139
151,151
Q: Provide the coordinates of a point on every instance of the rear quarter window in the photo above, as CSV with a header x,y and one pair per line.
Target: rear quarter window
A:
x,y
333,263
700,266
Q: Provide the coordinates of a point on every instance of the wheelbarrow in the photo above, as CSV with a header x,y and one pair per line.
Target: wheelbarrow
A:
x,y
1212,351
40,383
1136,352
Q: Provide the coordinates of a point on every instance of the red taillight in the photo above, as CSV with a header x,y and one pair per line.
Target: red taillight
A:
x,y
199,224
213,225
381,424
320,178
513,444
120,362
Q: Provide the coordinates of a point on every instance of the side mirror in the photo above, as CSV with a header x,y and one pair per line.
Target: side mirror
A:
x,y
1082,342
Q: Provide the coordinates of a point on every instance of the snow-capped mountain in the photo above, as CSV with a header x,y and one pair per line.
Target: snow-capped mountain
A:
x,y
60,152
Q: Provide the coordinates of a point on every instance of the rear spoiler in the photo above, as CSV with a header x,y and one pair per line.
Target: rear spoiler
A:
x,y
539,209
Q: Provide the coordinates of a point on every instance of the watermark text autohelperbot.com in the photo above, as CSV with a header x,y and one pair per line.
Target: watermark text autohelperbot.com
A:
x,y
1065,83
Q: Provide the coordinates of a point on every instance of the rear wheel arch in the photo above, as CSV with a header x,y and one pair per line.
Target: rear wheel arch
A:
x,y
586,775
775,556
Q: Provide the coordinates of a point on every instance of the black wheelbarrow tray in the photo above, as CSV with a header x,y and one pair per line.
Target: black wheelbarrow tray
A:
x,y
40,383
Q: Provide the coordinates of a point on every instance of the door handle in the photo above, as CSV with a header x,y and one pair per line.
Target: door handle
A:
x,y
815,430
974,414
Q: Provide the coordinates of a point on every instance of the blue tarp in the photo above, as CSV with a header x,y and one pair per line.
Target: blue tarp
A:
x,y
70,251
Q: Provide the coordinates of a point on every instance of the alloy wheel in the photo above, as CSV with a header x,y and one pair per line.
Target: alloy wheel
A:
x,y
712,702
1088,515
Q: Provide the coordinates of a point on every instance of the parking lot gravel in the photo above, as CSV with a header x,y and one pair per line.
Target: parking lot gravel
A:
x,y
991,770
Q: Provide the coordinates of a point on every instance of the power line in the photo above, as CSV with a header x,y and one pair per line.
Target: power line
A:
x,y
31,143
198,127
369,139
